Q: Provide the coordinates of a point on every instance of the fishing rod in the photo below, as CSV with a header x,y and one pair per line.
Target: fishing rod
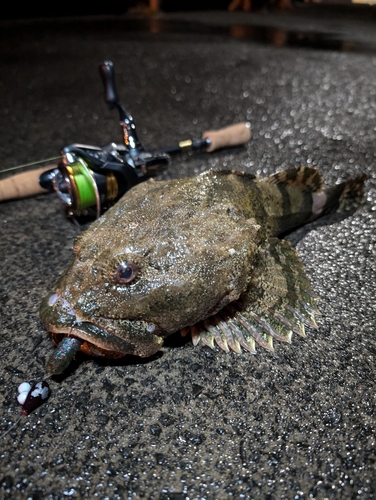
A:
x,y
88,179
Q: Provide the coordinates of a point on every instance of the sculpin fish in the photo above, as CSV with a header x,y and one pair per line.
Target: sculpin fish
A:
x,y
200,255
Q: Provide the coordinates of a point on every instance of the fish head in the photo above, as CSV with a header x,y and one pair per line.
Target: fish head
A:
x,y
144,271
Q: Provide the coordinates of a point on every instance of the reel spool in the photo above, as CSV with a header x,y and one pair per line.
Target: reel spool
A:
x,y
80,188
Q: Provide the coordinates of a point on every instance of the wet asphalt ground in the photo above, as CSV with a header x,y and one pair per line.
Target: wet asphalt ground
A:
x,y
191,423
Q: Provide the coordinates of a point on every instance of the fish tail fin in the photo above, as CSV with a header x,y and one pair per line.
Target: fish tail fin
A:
x,y
303,197
293,192
343,197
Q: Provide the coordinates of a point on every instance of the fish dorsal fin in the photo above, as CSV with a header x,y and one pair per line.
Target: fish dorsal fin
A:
x,y
306,179
224,172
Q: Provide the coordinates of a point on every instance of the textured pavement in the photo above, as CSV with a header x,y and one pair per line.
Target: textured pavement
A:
x,y
192,423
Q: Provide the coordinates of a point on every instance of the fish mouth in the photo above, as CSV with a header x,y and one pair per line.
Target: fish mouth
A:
x,y
103,337
95,341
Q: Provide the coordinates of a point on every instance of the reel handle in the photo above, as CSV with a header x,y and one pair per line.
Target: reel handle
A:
x,y
107,72
128,127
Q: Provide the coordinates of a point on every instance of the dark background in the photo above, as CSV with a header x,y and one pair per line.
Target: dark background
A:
x,y
71,8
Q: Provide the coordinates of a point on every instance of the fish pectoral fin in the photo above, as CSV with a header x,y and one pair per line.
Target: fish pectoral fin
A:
x,y
277,303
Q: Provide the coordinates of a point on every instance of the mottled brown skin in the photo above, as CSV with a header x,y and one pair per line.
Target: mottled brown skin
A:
x,y
200,244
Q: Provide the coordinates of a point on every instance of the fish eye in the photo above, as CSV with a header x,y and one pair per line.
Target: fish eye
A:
x,y
125,272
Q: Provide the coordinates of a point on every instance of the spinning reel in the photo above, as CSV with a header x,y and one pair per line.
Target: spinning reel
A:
x,y
89,179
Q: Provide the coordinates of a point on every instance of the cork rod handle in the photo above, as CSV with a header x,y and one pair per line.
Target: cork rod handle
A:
x,y
23,185
233,135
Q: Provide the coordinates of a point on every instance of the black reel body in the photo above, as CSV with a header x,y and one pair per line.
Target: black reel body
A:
x,y
91,178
